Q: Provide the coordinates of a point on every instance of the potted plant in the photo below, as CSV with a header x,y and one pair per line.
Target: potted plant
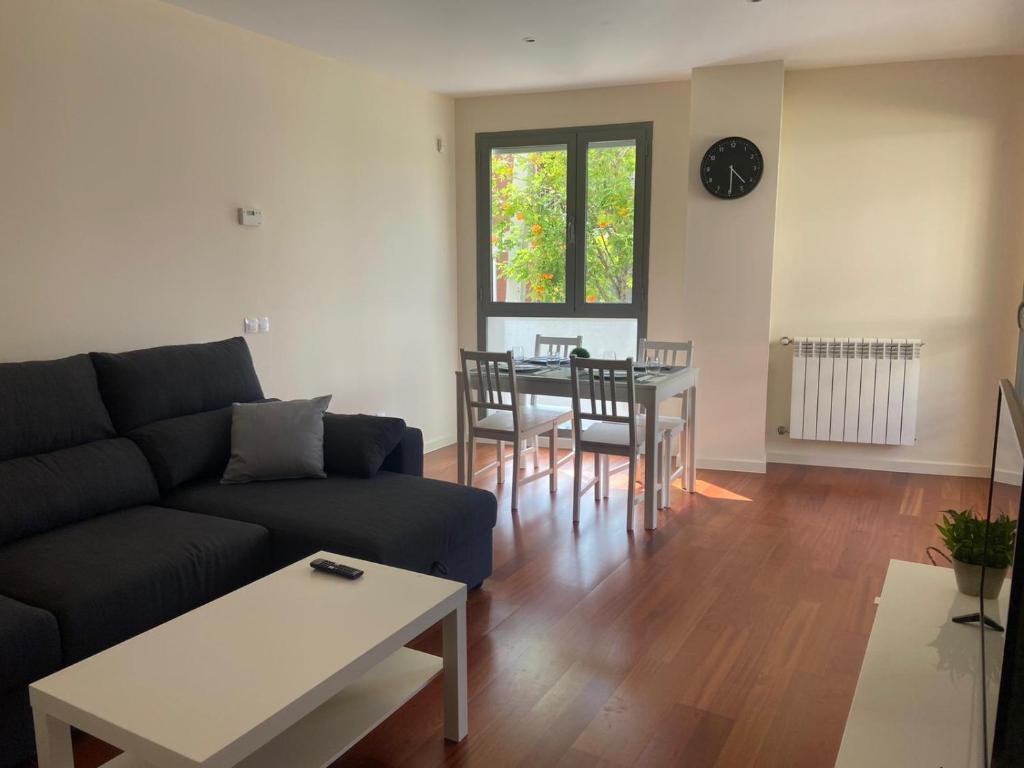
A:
x,y
973,543
579,352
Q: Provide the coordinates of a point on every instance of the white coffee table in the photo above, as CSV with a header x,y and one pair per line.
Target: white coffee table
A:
x,y
291,670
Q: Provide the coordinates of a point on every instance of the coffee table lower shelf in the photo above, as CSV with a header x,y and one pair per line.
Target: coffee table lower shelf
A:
x,y
333,728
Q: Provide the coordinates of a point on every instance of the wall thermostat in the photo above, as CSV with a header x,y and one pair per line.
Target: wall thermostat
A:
x,y
250,217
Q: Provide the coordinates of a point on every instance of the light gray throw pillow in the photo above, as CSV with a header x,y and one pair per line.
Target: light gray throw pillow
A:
x,y
275,441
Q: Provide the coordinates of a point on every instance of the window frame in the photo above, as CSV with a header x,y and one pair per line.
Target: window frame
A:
x,y
576,141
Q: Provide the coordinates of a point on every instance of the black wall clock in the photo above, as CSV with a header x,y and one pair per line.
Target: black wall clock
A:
x,y
731,167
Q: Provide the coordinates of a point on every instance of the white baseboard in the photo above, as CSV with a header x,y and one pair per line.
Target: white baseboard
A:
x,y
787,457
1007,477
732,465
881,464
438,442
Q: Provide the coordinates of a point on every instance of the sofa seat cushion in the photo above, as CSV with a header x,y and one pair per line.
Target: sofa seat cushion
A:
x,y
111,577
30,643
400,520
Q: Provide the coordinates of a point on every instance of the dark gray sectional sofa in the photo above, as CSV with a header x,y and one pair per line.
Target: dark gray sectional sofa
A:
x,y
112,519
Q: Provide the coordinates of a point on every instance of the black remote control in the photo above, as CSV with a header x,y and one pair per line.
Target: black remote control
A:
x,y
336,569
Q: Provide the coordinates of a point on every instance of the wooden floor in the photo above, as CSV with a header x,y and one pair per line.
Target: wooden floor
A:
x,y
730,637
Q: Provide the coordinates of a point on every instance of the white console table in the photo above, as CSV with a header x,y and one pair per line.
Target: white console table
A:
x,y
918,698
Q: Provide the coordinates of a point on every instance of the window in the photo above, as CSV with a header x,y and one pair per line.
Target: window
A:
x,y
562,224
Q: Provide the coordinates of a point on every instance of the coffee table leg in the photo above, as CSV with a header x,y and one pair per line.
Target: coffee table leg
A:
x,y
456,705
53,742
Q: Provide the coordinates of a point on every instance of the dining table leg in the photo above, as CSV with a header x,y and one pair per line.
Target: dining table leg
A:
x,y
691,440
651,463
460,430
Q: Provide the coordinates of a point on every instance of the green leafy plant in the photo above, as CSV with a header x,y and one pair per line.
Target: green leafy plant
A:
x,y
964,535
579,352
529,201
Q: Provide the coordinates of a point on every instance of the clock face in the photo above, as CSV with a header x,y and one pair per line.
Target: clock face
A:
x,y
731,167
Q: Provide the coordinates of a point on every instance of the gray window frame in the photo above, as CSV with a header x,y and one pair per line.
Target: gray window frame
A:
x,y
576,140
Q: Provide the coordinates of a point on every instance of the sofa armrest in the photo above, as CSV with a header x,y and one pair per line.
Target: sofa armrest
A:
x,y
407,457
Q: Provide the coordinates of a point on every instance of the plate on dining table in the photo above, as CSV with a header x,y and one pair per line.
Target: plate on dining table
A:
x,y
546,359
654,370
525,367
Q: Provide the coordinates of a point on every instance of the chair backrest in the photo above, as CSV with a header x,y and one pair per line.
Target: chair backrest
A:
x,y
598,396
669,352
556,345
489,380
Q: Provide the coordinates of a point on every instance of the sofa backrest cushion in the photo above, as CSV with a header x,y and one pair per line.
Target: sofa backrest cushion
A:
x,y
150,385
52,489
50,405
185,448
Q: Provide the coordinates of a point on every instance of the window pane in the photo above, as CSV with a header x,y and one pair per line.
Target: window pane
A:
x,y
600,334
611,192
528,210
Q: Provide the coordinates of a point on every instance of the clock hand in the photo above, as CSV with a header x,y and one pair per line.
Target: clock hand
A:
x,y
733,171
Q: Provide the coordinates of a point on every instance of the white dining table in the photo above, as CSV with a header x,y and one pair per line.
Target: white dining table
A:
x,y
651,391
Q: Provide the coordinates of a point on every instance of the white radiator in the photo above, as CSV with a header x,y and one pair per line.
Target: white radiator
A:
x,y
855,390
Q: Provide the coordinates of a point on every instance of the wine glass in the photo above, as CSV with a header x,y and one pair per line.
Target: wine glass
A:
x,y
609,355
517,354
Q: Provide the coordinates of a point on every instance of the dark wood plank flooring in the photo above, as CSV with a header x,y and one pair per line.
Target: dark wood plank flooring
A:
x,y
731,637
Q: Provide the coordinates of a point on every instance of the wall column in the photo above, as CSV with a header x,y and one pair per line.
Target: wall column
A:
x,y
727,277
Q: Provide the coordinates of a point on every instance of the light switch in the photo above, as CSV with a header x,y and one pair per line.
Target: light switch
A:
x,y
264,325
252,325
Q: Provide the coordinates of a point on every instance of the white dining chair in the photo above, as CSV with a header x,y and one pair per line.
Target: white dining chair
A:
x,y
673,354
556,345
550,346
606,423
495,413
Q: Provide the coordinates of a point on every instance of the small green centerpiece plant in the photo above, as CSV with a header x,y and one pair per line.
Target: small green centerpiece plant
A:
x,y
579,352
975,543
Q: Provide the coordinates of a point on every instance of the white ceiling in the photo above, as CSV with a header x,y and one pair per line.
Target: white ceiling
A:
x,y
466,47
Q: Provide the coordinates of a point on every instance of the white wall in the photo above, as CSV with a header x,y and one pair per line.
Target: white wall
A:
x,y
130,131
729,246
901,214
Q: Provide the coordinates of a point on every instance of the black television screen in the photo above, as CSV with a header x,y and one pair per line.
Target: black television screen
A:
x,y
1007,747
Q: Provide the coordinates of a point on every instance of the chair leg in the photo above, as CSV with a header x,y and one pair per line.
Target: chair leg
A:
x,y
666,471
631,492
470,461
536,452
516,458
500,456
605,475
597,476
553,459
577,481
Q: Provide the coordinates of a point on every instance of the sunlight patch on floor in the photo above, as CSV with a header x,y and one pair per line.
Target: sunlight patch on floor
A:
x,y
712,491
